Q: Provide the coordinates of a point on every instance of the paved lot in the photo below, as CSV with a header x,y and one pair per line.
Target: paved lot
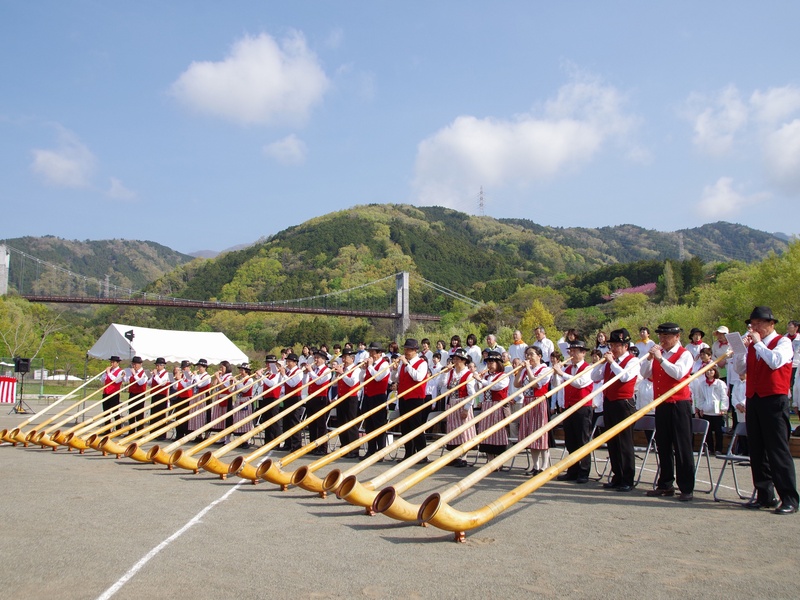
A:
x,y
83,526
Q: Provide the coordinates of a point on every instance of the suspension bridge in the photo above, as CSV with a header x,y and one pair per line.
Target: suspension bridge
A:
x,y
388,297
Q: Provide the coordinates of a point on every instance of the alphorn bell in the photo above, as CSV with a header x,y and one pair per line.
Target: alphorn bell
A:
x,y
440,514
184,458
272,472
389,502
10,436
366,495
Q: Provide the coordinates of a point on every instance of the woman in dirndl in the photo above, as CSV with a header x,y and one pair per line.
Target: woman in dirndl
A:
x,y
201,381
460,373
223,381
243,400
495,389
536,417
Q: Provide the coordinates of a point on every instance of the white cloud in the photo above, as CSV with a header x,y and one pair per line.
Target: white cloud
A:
x,y
71,164
118,191
570,131
722,201
260,81
289,151
335,38
717,120
782,156
775,105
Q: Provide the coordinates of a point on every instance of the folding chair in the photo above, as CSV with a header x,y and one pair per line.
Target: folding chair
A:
x,y
734,460
700,427
646,424
599,424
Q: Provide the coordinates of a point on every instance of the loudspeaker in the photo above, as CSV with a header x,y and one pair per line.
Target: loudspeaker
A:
x,y
22,365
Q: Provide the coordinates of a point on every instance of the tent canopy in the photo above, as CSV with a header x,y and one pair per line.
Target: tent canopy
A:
x,y
127,341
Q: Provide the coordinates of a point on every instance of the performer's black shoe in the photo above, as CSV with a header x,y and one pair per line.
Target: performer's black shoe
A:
x,y
786,508
610,485
566,477
756,504
582,479
660,492
686,496
623,488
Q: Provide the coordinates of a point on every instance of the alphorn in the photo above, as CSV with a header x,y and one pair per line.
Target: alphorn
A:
x,y
155,420
272,472
161,456
242,466
180,412
334,478
442,515
389,502
184,458
210,460
10,436
366,495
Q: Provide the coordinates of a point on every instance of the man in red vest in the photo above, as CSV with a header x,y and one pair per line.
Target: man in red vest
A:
x,y
618,405
136,377
375,394
670,365
409,374
768,364
112,379
578,426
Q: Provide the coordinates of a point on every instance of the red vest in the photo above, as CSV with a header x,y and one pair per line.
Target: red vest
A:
x,y
135,389
270,381
248,392
377,388
290,390
618,390
573,395
187,388
662,383
159,389
343,388
111,388
763,381
542,391
316,386
462,391
497,395
405,382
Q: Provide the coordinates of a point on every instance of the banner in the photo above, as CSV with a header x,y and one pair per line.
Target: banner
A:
x,y
8,390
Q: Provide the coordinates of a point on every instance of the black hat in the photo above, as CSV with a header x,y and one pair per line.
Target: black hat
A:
x,y
619,336
321,353
186,363
493,355
411,344
270,358
762,312
462,354
113,358
160,361
201,363
578,344
697,330
634,351
137,360
348,352
375,346
245,366
292,356
669,327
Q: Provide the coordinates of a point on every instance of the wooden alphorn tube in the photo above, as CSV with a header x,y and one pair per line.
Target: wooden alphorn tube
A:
x,y
443,516
365,495
243,467
11,436
184,458
334,478
272,473
389,502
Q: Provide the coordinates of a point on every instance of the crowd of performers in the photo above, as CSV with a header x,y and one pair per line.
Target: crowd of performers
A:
x,y
752,387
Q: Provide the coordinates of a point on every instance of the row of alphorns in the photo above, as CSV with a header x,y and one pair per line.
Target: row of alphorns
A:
x,y
108,433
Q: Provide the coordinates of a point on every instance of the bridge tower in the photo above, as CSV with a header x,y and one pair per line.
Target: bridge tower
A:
x,y
403,322
5,263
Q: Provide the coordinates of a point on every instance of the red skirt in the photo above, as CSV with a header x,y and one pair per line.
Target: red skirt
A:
x,y
532,420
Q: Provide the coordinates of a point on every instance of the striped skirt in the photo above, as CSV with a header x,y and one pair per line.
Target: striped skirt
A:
x,y
533,420
245,411
454,420
498,438
199,417
219,410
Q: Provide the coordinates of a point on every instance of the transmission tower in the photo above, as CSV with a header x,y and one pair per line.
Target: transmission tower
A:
x,y
481,203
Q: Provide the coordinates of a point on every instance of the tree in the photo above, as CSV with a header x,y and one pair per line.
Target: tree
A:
x,y
25,327
537,315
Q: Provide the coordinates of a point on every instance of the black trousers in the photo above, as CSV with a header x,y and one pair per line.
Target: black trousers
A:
x,y
111,401
620,447
317,428
416,443
577,429
291,419
136,418
274,430
674,435
714,439
771,461
375,421
346,412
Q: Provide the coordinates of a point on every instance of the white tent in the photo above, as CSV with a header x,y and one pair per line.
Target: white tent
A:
x,y
127,341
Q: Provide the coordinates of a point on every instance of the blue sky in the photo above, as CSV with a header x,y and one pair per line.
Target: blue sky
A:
x,y
202,125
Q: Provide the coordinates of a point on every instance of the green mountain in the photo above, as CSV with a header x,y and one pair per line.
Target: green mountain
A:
x,y
128,263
